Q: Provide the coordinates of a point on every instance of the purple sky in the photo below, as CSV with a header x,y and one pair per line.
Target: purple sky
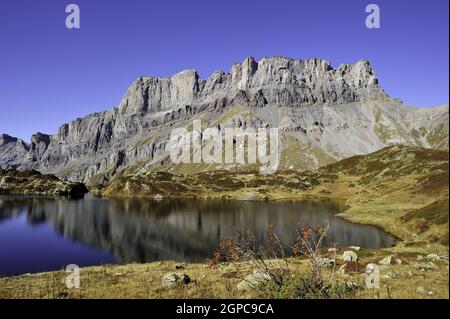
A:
x,y
50,75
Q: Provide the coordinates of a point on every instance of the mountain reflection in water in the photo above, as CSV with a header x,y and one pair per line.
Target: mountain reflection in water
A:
x,y
141,230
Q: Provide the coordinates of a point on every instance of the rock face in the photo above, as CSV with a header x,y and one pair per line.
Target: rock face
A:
x,y
323,114
12,151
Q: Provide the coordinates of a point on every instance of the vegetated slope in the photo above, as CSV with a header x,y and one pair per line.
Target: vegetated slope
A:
x,y
392,163
404,189
31,182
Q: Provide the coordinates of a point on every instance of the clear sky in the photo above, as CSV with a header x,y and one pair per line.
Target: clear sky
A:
x,y
50,75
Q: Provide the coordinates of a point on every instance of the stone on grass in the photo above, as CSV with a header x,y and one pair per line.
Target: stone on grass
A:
x,y
425,266
432,257
326,262
349,255
391,274
385,261
256,279
421,290
175,280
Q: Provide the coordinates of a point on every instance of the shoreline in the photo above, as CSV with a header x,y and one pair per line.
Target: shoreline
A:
x,y
337,200
406,198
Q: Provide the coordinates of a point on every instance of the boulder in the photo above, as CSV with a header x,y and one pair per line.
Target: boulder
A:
x,y
349,255
326,262
175,280
256,279
426,266
386,260
432,257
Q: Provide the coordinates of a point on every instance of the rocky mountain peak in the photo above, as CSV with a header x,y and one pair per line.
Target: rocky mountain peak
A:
x,y
5,138
279,80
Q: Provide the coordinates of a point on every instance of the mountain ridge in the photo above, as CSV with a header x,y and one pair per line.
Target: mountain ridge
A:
x,y
327,110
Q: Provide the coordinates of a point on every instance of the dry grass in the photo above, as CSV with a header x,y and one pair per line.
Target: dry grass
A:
x,y
144,281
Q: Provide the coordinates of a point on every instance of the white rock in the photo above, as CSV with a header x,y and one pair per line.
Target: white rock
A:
x,y
386,260
425,266
432,257
256,279
175,279
326,262
349,255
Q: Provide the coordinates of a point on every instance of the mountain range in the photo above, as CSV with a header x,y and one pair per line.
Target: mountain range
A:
x,y
323,114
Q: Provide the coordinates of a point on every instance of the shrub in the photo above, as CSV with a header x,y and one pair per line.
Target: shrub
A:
x,y
272,260
226,252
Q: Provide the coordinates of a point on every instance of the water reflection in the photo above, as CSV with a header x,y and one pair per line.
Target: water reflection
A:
x,y
138,230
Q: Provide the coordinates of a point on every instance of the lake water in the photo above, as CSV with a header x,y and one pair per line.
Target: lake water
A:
x,y
45,233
